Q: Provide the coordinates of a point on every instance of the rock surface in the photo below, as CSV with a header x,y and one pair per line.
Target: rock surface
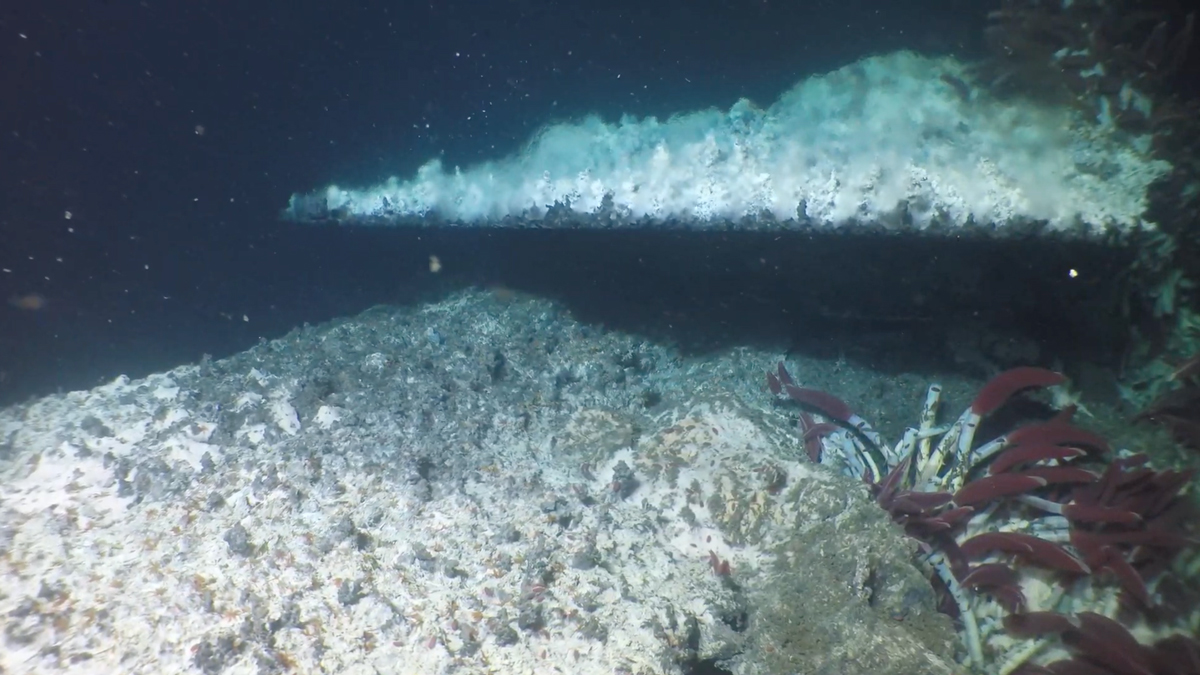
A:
x,y
375,497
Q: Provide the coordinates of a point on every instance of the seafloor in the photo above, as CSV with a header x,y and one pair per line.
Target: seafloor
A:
x,y
483,485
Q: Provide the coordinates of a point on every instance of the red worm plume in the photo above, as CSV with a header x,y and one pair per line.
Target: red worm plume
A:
x,y
827,404
1027,454
1035,624
1000,388
1027,546
993,487
1062,474
1057,433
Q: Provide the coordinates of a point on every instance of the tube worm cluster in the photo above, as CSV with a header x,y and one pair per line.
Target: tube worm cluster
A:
x,y
1179,409
1104,57
1045,495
